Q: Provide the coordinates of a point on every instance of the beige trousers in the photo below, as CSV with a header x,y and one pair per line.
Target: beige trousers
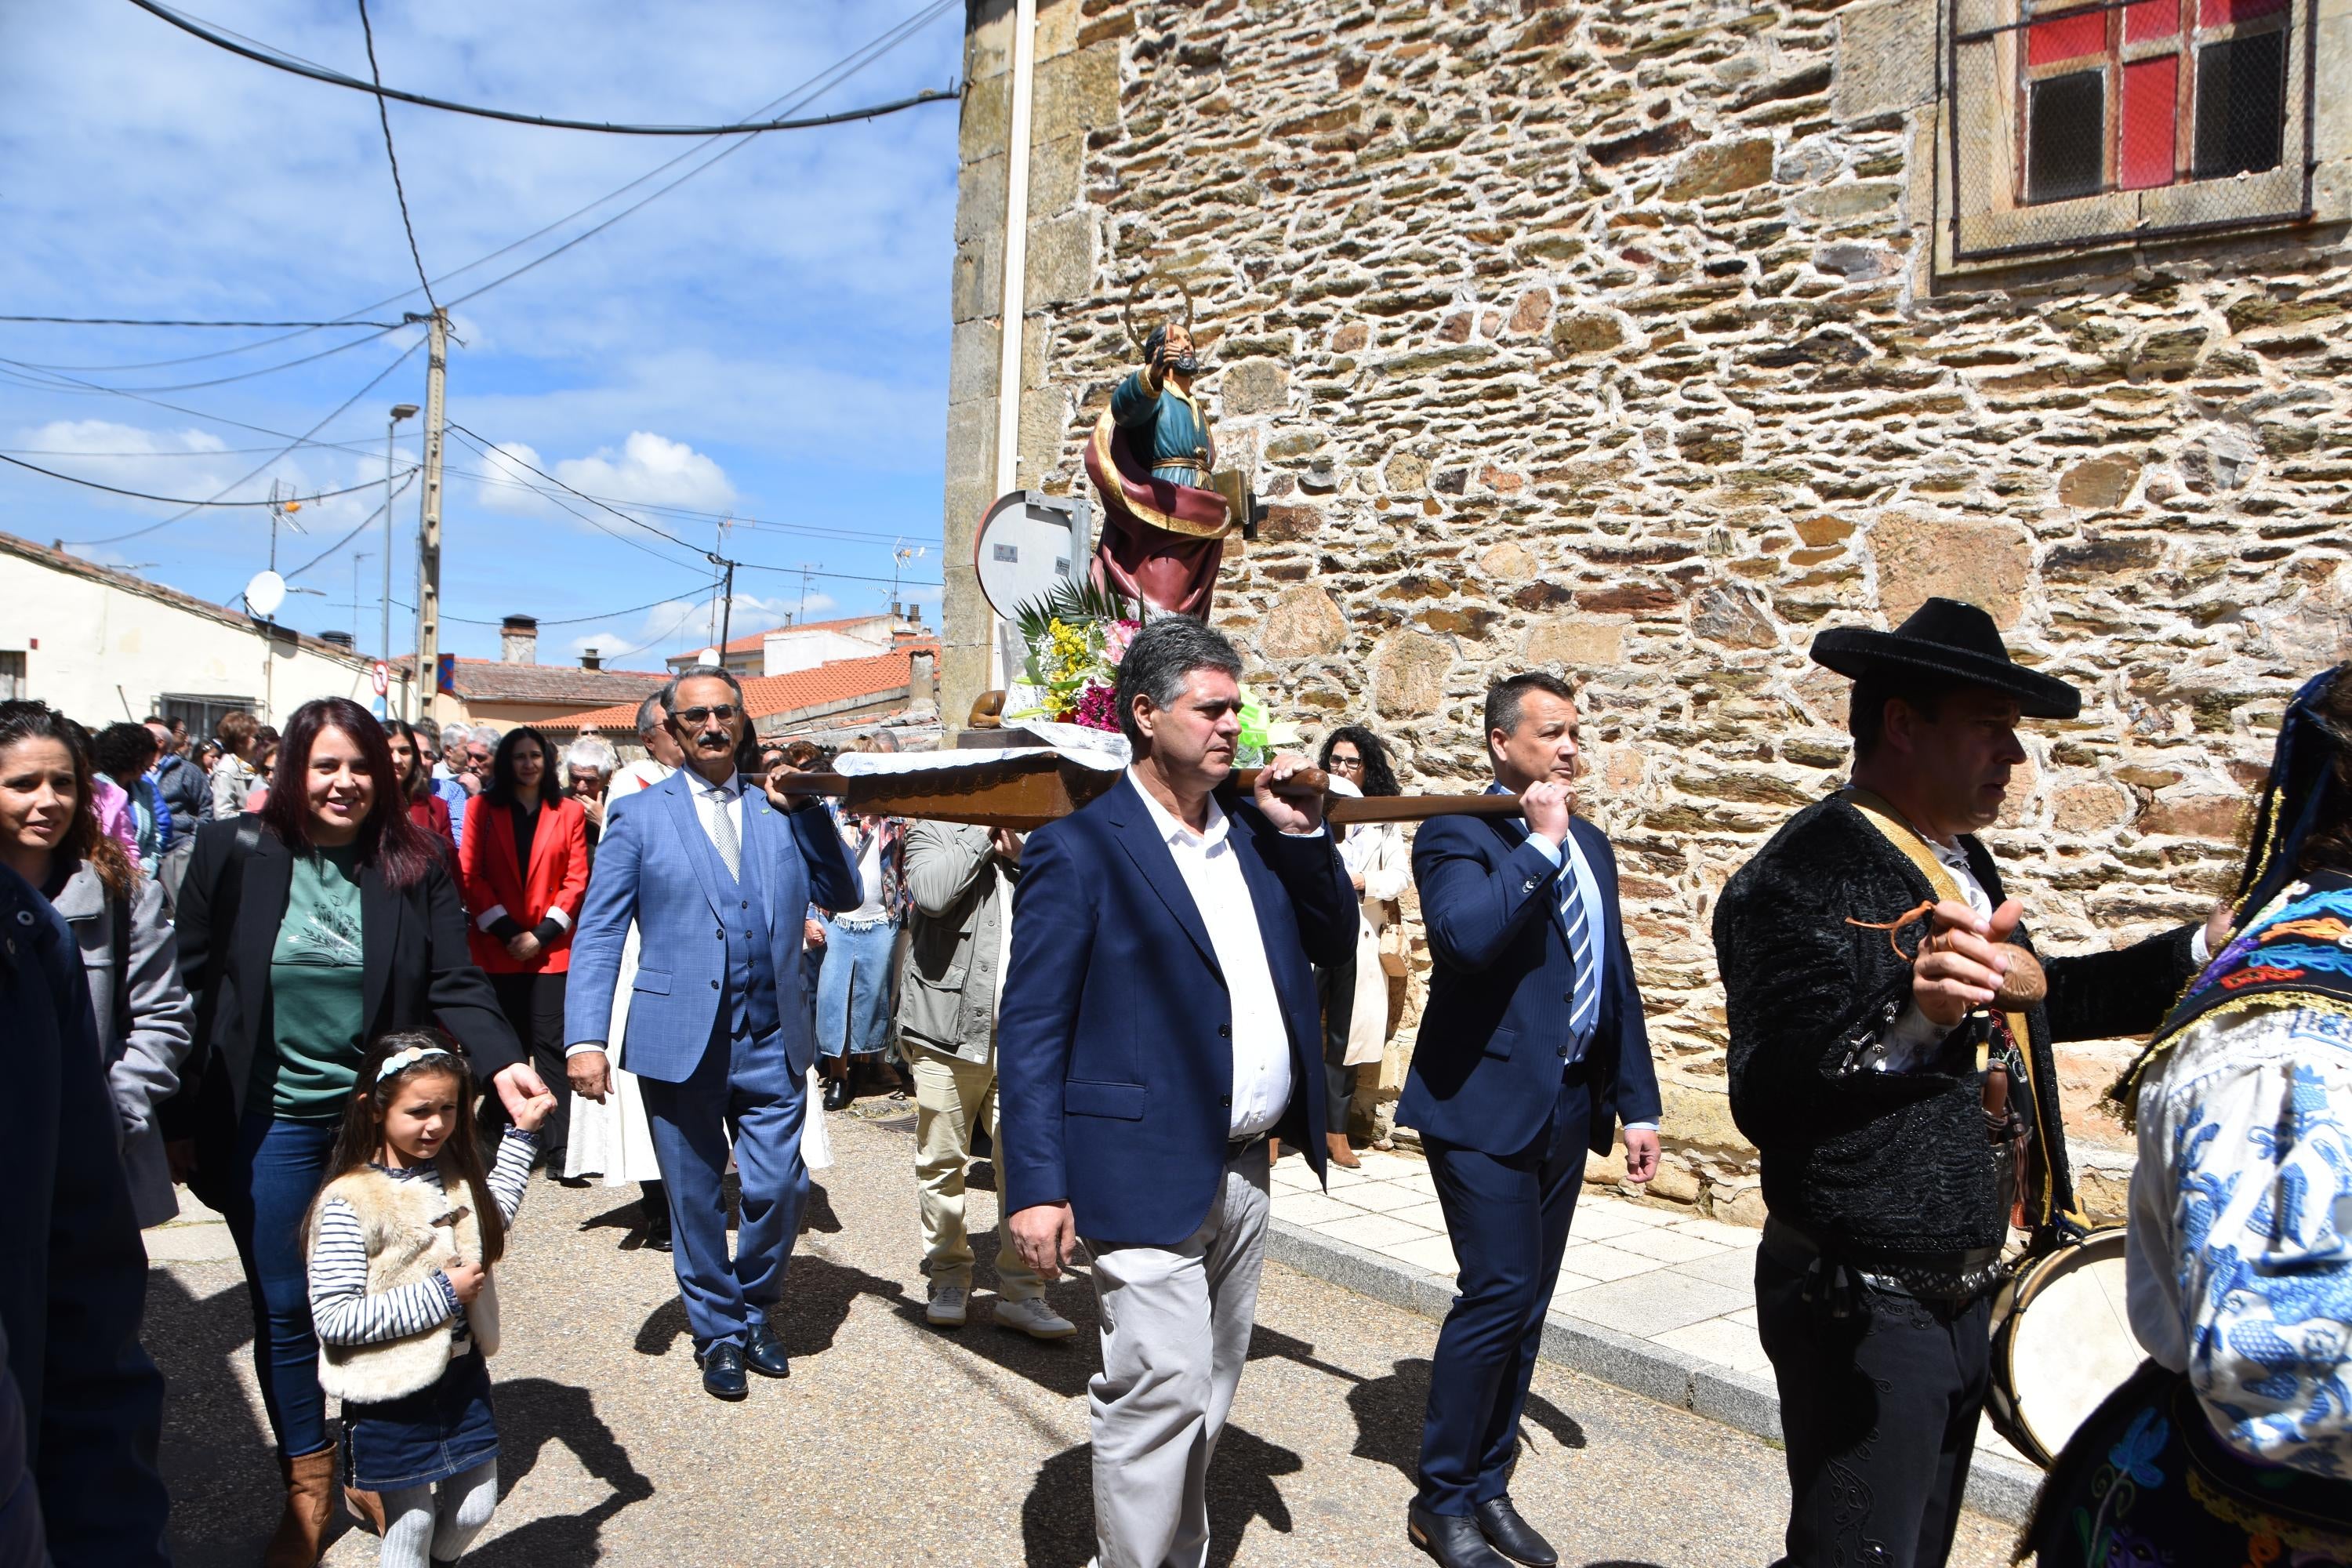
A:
x,y
1175,1332
952,1096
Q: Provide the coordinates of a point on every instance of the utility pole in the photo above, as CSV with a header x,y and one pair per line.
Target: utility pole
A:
x,y
428,550
800,615
727,615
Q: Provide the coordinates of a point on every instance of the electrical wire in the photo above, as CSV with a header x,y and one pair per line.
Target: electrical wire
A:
x,y
366,387
490,449
572,620
806,92
181,501
225,380
280,62
365,523
383,116
142,322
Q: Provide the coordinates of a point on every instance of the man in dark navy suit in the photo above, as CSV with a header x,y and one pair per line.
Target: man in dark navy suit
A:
x,y
1531,1050
1159,1021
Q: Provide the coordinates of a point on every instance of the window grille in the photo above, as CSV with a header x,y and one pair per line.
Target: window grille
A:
x,y
2071,124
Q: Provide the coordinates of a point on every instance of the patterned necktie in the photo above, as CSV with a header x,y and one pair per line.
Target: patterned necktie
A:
x,y
1585,1010
722,834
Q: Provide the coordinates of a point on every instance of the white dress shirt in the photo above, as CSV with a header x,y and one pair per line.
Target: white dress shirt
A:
x,y
1212,870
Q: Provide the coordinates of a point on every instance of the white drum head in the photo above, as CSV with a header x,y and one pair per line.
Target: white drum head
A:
x,y
2072,1343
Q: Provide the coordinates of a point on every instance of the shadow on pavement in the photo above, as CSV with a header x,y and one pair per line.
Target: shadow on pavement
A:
x,y
818,1295
1057,1520
1389,1411
533,1412
219,1462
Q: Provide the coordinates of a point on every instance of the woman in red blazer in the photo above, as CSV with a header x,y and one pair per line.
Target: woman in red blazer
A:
x,y
524,868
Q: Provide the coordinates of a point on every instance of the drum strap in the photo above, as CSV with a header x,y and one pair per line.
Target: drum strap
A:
x,y
1875,811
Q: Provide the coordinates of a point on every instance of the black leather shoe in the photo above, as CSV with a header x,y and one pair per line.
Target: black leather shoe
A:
x,y
657,1230
1451,1538
1514,1537
722,1371
764,1353
836,1093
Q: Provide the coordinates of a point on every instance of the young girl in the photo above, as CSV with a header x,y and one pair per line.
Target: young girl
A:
x,y
402,1241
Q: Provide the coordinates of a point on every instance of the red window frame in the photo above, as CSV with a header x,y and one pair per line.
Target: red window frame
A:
x,y
2148,52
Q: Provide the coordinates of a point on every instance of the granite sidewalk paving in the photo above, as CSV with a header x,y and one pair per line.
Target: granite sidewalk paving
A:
x,y
1649,1298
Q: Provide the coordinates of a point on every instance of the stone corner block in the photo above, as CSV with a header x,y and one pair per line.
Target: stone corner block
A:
x,y
1885,59
1076,93
1061,261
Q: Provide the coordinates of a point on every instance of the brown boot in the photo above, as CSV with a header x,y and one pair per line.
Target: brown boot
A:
x,y
1273,1150
309,1505
1340,1154
366,1507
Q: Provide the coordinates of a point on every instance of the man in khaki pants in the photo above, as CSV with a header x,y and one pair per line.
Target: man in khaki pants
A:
x,y
961,879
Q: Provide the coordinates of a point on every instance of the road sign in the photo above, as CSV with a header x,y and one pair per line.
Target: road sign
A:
x,y
380,677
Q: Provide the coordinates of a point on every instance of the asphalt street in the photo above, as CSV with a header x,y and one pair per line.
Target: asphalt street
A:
x,y
896,1443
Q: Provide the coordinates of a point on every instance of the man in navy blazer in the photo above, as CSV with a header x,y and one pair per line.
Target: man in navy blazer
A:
x,y
717,874
1532,1050
1159,1021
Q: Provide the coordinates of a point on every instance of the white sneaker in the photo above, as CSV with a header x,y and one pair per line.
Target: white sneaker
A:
x,y
1035,1319
947,1308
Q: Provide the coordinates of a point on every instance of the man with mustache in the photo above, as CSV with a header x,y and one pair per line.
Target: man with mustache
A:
x,y
1891,1158
717,874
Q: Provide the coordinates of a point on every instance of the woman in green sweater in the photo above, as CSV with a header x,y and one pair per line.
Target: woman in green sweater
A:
x,y
305,931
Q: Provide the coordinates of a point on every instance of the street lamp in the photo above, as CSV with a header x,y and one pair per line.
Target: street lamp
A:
x,y
399,411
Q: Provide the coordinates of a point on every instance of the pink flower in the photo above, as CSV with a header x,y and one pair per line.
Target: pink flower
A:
x,y
1116,640
1095,709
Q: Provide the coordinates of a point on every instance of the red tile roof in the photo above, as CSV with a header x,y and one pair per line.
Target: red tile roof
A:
x,y
496,680
841,680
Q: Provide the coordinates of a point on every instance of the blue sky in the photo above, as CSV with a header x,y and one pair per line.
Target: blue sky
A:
x,y
770,340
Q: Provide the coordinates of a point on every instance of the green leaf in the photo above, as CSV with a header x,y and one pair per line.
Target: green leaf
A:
x,y
1073,603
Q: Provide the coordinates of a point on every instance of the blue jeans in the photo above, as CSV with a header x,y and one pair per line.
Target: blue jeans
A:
x,y
853,990
280,1165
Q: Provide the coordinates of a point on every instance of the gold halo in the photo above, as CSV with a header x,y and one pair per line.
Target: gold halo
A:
x,y
1126,307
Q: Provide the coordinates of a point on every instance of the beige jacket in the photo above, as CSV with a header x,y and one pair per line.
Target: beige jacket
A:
x,y
409,1235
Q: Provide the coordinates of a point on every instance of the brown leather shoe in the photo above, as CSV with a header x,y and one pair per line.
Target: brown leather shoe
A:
x,y
366,1507
1273,1150
1340,1154
309,1505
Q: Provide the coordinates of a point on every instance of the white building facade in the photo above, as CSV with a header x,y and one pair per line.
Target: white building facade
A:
x,y
102,646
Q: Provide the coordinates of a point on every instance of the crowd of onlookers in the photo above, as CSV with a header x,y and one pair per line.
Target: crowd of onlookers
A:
x,y
271,961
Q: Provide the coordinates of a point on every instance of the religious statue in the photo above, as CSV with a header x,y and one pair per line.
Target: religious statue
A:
x,y
1166,511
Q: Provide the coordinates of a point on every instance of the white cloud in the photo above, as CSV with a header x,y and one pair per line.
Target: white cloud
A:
x,y
510,487
651,468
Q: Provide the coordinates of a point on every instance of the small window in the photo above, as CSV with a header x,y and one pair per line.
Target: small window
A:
x,y
12,676
202,714
2081,121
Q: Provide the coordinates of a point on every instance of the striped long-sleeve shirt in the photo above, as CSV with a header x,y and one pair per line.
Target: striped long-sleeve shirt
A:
x,y
346,1313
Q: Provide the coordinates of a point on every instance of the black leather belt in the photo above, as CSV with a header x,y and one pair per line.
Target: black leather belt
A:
x,y
1956,1276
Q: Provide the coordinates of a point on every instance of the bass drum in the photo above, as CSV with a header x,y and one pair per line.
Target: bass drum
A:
x,y
2062,1342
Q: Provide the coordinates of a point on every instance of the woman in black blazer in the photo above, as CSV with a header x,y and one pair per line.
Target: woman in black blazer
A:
x,y
305,931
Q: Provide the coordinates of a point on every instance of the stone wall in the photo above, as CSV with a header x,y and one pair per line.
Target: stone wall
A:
x,y
1612,339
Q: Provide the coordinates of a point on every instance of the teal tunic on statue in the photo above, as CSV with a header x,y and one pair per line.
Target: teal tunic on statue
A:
x,y
1179,435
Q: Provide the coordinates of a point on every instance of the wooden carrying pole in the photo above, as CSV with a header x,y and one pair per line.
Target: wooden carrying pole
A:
x,y
1025,793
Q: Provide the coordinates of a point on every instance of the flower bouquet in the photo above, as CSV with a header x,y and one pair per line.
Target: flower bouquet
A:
x,y
1075,637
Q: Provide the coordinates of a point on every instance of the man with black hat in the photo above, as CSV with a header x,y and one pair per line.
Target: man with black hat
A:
x,y
1875,1080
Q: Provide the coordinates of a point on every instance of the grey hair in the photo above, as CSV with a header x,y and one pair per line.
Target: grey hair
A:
x,y
1162,654
591,751
669,694
651,714
456,735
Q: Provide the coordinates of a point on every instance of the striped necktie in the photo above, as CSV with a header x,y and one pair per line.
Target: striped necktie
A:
x,y
1585,1011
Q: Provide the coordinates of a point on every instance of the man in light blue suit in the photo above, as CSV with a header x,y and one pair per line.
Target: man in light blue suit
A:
x,y
717,874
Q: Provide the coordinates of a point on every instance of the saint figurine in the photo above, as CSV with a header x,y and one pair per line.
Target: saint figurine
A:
x,y
1151,457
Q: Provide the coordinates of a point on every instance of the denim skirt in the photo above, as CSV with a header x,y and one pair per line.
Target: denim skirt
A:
x,y
425,1436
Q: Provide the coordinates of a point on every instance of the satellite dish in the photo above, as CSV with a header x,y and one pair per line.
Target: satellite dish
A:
x,y
707,656
1028,543
265,593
